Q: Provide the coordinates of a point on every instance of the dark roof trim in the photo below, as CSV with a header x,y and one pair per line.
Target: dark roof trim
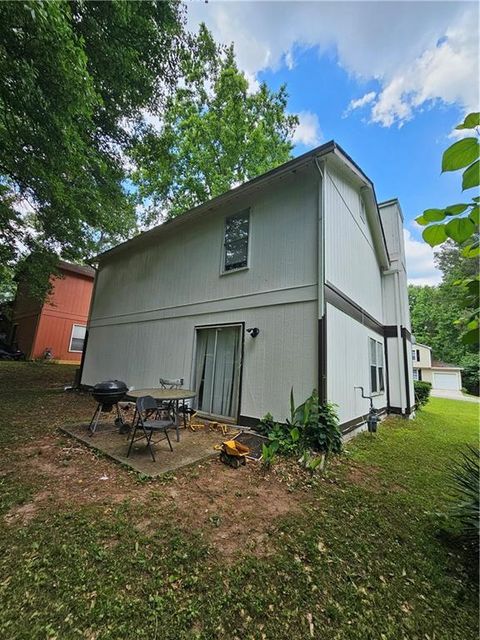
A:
x,y
247,187
81,269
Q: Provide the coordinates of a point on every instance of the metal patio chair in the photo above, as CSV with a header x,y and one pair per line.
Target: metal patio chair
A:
x,y
148,423
173,405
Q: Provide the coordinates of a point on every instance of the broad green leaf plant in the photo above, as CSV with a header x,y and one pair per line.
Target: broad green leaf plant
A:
x,y
460,221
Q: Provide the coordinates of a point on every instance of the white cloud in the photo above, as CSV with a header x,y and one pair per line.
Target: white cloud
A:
x,y
361,102
441,72
308,130
420,265
418,52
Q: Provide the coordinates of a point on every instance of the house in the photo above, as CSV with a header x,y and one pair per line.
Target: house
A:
x,y
442,377
293,279
56,328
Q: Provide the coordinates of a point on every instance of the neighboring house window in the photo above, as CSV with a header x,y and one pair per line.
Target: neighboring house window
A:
x,y
235,255
78,337
415,374
377,380
414,355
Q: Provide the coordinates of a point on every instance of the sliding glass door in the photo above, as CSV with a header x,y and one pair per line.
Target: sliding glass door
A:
x,y
217,370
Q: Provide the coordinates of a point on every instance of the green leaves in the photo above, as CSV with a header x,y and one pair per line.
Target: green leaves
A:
x,y
471,121
460,154
215,134
435,234
471,176
463,154
456,209
459,229
434,215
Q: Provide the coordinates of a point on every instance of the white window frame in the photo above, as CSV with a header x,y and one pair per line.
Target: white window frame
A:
x,y
379,363
83,326
243,212
416,374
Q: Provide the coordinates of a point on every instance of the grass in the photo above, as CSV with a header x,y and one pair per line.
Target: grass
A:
x,y
371,553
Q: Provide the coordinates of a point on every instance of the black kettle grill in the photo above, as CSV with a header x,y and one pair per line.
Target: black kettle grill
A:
x,y
108,394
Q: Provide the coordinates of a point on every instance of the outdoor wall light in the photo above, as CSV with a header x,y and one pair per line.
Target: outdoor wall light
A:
x,y
254,331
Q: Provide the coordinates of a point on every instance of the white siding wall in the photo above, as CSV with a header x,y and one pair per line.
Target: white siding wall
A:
x,y
348,365
182,266
393,227
281,356
350,258
148,301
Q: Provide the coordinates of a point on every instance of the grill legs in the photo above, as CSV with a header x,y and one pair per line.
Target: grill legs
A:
x,y
92,427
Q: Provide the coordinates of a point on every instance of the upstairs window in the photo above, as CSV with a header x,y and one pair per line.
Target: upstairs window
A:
x,y
78,337
235,252
416,355
377,379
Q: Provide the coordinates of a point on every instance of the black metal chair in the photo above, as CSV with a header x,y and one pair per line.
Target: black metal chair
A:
x,y
148,423
172,405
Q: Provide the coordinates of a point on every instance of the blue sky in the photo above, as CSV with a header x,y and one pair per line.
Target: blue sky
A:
x,y
387,80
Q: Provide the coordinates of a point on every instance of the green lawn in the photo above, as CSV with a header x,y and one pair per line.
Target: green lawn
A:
x,y
364,553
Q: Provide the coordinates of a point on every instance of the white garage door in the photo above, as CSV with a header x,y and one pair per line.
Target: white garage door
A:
x,y
445,380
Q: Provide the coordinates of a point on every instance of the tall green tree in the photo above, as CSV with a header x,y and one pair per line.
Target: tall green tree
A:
x,y
215,133
75,80
439,314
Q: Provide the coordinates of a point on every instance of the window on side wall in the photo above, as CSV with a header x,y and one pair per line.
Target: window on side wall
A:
x,y
377,375
77,338
235,245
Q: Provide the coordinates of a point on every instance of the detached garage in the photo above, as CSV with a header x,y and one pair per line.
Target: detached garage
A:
x,y
446,378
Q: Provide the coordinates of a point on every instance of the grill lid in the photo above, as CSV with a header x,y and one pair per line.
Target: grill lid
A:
x,y
110,386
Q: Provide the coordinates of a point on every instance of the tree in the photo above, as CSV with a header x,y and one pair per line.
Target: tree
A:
x,y
462,219
75,79
439,313
215,134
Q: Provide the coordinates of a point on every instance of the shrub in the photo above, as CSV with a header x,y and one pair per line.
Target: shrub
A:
x,y
311,427
422,392
465,477
471,373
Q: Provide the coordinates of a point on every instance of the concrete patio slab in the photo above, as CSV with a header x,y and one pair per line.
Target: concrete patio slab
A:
x,y
193,447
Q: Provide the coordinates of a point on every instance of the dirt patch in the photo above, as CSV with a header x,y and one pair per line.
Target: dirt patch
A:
x,y
235,510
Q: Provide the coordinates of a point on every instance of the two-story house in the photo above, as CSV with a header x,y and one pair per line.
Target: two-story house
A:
x,y
55,328
442,377
293,279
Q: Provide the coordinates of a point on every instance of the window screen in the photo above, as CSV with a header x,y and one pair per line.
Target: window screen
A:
x,y
78,337
236,241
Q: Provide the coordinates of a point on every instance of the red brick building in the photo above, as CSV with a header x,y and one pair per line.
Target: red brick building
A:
x,y
58,325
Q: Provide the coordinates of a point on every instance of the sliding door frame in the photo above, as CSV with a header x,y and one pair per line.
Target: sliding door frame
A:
x,y
220,325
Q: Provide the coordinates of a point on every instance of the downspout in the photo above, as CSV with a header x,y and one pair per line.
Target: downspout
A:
x,y
321,311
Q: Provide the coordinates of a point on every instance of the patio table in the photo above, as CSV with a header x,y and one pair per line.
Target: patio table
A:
x,y
165,395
